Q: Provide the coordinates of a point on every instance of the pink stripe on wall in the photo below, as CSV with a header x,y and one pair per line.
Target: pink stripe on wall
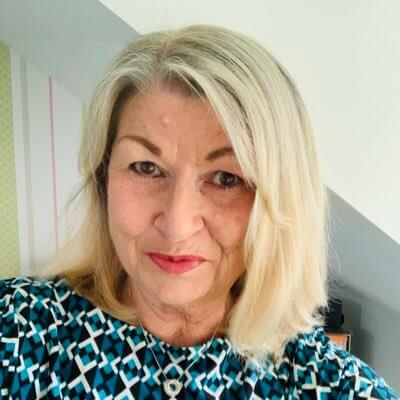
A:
x,y
53,163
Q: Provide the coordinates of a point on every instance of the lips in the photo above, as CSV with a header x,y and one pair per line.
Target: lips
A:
x,y
178,264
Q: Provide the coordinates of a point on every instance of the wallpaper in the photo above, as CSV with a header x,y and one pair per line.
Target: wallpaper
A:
x,y
9,247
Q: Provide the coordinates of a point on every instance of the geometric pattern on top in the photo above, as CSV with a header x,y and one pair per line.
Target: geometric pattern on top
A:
x,y
55,344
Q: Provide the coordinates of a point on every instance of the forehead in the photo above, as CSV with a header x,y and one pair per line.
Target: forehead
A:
x,y
168,116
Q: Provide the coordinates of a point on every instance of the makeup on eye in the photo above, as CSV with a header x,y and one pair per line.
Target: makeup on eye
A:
x,y
146,169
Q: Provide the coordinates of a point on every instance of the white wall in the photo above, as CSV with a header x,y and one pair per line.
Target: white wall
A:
x,y
72,40
345,56
47,128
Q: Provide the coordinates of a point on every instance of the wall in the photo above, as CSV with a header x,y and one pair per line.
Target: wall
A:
x,y
43,138
375,331
9,246
366,263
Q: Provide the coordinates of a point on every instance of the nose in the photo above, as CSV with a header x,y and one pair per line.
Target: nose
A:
x,y
180,216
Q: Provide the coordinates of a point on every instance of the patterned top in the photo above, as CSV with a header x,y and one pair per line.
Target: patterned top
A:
x,y
55,344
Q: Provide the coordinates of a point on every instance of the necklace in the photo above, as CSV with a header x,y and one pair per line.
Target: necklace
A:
x,y
172,387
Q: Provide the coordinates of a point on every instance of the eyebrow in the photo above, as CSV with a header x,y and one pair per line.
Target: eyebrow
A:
x,y
223,151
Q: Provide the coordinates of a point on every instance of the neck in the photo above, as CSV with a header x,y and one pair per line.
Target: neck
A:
x,y
179,325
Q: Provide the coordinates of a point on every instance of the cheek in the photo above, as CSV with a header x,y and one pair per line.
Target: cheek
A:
x,y
128,212
230,222
131,210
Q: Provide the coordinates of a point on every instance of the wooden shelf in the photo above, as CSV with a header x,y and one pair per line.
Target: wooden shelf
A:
x,y
340,338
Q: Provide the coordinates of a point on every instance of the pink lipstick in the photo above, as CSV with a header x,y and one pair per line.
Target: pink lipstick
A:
x,y
176,264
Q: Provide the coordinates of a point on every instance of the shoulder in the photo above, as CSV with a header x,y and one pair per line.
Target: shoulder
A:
x,y
30,287
32,313
35,302
23,293
317,365
25,315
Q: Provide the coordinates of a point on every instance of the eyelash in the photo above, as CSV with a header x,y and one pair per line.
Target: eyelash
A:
x,y
133,167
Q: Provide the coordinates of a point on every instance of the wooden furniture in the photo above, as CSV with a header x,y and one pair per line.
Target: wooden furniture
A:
x,y
341,338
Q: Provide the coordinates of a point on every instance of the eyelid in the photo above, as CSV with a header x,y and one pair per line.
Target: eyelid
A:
x,y
132,165
164,173
238,179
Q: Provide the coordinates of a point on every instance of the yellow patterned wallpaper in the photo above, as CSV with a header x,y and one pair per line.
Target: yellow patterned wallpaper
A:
x,y
9,246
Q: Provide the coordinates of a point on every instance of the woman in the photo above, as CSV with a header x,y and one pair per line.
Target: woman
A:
x,y
200,266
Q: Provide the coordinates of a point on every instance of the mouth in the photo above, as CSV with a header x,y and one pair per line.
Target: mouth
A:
x,y
176,265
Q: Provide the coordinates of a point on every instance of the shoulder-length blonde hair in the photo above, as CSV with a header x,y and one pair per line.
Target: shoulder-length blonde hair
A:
x,y
263,115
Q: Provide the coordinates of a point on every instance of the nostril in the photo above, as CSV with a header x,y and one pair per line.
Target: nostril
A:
x,y
178,228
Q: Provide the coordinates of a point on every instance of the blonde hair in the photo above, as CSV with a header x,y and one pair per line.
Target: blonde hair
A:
x,y
263,115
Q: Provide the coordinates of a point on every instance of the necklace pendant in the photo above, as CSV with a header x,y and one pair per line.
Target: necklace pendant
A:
x,y
172,387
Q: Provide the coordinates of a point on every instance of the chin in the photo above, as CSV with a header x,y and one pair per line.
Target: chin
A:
x,y
180,294
174,290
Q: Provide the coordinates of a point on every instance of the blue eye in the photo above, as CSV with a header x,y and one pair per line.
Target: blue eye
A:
x,y
227,180
146,169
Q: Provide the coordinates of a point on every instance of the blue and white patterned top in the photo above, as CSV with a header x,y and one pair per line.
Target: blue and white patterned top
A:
x,y
55,344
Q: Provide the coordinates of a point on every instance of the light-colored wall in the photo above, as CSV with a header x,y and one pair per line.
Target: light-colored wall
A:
x,y
73,41
44,141
375,330
9,246
367,263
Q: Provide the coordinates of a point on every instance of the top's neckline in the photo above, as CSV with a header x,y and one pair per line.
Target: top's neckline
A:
x,y
197,347
218,342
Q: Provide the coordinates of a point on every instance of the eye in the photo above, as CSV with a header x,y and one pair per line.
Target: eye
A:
x,y
226,180
146,169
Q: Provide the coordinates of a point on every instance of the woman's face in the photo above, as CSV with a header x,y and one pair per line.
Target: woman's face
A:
x,y
175,188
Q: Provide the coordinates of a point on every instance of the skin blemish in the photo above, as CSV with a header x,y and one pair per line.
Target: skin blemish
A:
x,y
165,119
